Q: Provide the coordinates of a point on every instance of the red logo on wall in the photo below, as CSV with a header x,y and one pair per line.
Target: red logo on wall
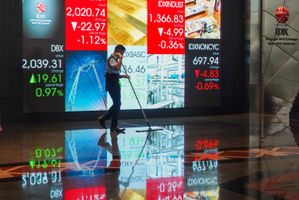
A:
x,y
40,7
282,14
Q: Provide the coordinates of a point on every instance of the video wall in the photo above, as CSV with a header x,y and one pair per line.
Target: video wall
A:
x,y
173,53
91,164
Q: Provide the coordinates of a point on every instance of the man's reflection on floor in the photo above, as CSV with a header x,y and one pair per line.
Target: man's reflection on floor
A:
x,y
113,170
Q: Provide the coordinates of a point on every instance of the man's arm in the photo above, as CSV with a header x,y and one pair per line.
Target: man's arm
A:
x,y
117,64
124,76
120,60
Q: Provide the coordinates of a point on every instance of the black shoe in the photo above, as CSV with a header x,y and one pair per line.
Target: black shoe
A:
x,y
118,130
101,121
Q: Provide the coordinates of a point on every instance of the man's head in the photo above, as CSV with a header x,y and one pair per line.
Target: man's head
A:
x,y
120,49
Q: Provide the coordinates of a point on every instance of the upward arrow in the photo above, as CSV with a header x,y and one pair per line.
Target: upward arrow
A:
x,y
32,163
32,79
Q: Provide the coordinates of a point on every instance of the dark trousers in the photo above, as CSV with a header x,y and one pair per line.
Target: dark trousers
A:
x,y
115,108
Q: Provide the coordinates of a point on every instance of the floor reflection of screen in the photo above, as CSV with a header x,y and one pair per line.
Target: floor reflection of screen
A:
x,y
82,153
203,182
44,168
130,146
165,164
212,194
95,193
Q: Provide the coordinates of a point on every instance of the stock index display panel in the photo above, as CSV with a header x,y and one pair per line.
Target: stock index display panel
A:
x,y
173,53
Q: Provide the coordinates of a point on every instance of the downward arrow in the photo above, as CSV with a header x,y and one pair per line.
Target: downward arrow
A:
x,y
160,31
74,24
197,73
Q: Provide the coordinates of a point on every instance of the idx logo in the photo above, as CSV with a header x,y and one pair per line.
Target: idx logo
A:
x,y
281,31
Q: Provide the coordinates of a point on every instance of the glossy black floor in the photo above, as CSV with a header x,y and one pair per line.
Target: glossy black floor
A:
x,y
206,158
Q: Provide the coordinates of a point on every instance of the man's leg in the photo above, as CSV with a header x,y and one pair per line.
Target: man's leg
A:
x,y
108,114
115,95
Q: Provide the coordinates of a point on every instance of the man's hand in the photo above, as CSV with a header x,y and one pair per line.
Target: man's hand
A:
x,y
126,76
120,56
119,62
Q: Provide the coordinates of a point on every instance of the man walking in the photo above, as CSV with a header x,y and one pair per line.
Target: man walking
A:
x,y
113,69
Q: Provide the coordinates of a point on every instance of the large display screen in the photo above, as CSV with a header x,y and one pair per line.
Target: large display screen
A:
x,y
173,53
